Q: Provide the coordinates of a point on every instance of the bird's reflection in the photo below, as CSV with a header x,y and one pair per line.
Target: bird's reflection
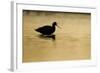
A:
x,y
48,37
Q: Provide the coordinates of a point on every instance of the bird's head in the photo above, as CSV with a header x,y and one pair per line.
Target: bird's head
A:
x,y
55,24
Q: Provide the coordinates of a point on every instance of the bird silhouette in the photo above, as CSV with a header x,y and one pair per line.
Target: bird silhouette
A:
x,y
47,30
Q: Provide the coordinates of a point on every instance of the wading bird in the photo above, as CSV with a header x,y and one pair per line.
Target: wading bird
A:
x,y
47,30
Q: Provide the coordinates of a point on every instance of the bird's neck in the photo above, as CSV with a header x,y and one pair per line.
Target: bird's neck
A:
x,y
54,27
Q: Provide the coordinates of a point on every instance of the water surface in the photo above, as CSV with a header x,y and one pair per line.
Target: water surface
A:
x,y
71,42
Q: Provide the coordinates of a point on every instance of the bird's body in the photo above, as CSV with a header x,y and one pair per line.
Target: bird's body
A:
x,y
47,30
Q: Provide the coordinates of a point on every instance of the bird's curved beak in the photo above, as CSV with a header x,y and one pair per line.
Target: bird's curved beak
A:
x,y
58,26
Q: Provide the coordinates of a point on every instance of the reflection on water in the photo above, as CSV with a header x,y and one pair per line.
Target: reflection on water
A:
x,y
72,42
47,37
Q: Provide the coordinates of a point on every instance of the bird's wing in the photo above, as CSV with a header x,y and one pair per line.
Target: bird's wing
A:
x,y
43,28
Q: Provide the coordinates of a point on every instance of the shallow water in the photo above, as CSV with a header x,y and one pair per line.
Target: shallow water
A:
x,y
71,42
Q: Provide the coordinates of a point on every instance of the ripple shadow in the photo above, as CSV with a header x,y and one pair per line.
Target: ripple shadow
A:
x,y
47,37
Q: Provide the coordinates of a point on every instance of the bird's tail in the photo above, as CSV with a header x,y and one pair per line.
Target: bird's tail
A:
x,y
37,30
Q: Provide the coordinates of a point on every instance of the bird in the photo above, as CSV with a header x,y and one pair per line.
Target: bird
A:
x,y
47,30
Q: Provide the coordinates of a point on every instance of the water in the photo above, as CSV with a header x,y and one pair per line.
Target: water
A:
x,y
71,42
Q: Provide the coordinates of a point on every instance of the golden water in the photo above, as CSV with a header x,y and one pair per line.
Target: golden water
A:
x,y
71,42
